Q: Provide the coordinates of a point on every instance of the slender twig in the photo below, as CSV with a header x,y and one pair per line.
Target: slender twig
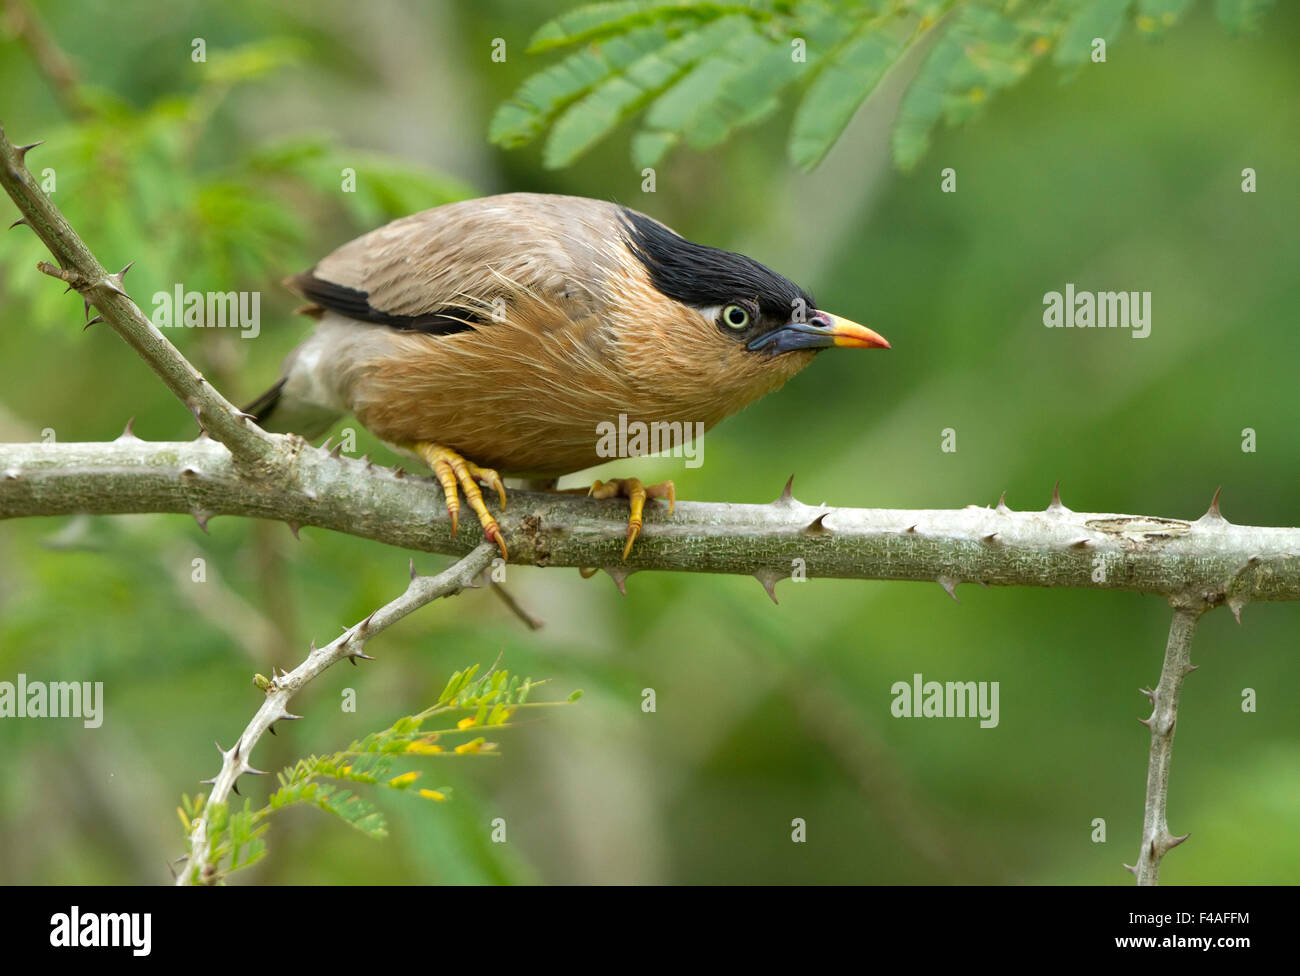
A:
x,y
201,867
1157,841
515,607
23,23
77,266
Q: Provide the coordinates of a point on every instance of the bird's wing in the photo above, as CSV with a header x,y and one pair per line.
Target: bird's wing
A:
x,y
442,270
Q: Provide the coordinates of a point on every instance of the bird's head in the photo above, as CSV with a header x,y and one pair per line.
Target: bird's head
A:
x,y
728,321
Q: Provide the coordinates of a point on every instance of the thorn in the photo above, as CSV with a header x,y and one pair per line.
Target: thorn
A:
x,y
991,539
1002,504
399,472
1150,695
911,528
365,624
234,787
201,517
23,220
293,527
1154,855
949,585
1056,507
359,654
22,151
787,494
95,321
1081,544
114,284
769,579
242,415
1212,514
1131,869
128,432
337,453
365,459
12,474
1172,842
326,445
208,782
251,771
271,728
1191,667
1145,721
412,568
1235,604
288,717
218,745
818,526
619,576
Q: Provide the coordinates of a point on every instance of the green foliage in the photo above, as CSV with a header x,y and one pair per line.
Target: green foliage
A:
x,y
697,72
488,702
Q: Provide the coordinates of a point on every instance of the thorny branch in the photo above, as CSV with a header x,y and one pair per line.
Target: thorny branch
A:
x,y
1157,841
1209,558
201,866
1197,565
80,269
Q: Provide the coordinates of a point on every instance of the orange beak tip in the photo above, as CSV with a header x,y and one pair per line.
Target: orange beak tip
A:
x,y
851,335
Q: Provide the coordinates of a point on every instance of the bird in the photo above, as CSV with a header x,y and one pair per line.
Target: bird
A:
x,y
493,337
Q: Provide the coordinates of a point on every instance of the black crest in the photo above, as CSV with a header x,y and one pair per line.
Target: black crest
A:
x,y
702,276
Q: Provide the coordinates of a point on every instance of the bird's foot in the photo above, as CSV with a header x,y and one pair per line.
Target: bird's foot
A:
x,y
636,494
456,473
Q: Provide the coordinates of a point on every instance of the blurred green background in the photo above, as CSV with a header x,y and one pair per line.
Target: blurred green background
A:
x,y
1126,177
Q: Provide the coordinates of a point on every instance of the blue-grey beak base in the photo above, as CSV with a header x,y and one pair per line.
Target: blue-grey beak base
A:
x,y
792,336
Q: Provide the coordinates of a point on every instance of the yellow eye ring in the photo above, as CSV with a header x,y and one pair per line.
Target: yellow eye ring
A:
x,y
735,317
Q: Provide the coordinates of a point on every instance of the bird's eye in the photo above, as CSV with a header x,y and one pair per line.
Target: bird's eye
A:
x,y
736,316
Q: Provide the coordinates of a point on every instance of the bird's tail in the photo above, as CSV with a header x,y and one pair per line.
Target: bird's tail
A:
x,y
264,406
279,412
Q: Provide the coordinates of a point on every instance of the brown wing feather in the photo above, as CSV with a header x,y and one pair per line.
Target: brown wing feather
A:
x,y
445,268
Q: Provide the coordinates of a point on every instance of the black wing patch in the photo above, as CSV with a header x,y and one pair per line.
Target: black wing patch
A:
x,y
356,305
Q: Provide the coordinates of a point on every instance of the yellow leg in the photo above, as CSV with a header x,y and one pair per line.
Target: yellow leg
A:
x,y
456,472
636,494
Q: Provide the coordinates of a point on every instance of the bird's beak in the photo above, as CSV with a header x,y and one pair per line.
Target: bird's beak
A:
x,y
820,331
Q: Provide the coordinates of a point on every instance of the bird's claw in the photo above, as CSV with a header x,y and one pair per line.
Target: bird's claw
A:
x,y
456,474
636,494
